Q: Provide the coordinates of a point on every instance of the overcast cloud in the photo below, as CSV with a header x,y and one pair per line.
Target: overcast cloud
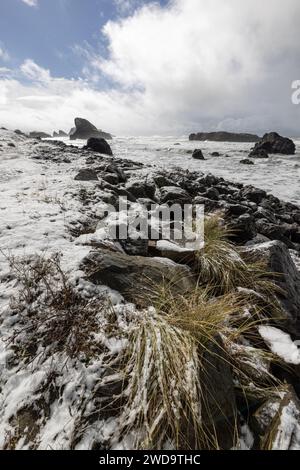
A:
x,y
193,65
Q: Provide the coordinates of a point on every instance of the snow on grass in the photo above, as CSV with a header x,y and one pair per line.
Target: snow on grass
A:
x,y
280,344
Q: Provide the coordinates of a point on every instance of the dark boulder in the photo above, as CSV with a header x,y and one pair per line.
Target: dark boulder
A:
x,y
86,175
246,161
218,395
253,194
131,275
215,154
99,145
274,143
84,130
243,227
224,137
198,155
174,195
141,188
279,261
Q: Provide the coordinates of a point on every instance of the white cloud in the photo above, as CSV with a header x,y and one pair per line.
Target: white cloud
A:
x,y
127,6
4,55
34,72
31,3
192,65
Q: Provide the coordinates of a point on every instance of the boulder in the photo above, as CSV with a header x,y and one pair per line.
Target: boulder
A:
x,y
84,130
99,145
132,276
143,188
215,154
198,155
253,194
246,161
274,143
86,175
224,137
174,195
243,228
278,260
218,395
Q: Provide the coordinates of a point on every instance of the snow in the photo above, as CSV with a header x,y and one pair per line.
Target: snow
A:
x,y
280,344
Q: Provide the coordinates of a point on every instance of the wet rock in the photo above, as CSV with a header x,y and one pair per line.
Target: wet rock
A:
x,y
215,154
246,161
258,153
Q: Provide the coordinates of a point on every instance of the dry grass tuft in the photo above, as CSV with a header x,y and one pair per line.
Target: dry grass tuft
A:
x,y
52,315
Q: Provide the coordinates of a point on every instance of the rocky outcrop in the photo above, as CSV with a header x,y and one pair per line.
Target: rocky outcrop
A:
x,y
60,133
273,143
99,145
39,135
84,130
258,153
135,276
224,137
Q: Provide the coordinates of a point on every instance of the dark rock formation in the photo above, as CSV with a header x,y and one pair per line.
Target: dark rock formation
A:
x,y
246,161
174,195
99,145
141,188
198,155
279,261
258,153
224,137
86,175
274,143
39,135
218,388
84,130
131,275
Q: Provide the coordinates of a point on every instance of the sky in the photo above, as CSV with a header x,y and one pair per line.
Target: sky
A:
x,y
138,67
